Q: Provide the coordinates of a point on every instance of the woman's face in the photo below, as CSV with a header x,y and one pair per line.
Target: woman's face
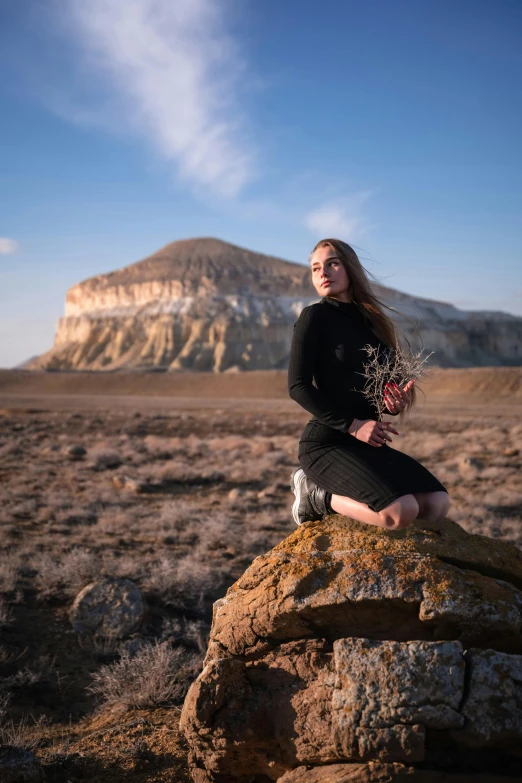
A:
x,y
329,277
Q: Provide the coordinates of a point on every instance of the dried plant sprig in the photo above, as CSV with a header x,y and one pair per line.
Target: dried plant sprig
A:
x,y
387,366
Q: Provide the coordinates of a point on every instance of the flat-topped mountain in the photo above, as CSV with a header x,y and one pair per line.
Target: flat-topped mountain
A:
x,y
205,265
204,304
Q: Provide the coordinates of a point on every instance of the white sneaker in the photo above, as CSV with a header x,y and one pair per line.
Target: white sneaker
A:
x,y
302,508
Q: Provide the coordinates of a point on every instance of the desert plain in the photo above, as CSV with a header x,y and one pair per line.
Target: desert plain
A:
x,y
176,482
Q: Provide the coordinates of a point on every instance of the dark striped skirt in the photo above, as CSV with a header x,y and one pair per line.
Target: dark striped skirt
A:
x,y
376,476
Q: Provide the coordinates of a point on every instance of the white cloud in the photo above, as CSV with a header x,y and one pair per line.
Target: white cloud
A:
x,y
8,246
174,71
341,218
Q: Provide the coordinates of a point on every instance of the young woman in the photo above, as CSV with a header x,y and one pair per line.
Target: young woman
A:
x,y
347,464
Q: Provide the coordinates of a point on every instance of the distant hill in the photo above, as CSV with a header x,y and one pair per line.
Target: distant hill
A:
x,y
204,304
27,363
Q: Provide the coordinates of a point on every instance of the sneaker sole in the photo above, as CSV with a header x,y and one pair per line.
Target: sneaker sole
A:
x,y
296,491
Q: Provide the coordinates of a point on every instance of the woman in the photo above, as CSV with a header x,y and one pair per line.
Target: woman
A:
x,y
347,464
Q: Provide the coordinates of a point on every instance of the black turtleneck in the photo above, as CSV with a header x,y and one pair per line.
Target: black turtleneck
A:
x,y
328,348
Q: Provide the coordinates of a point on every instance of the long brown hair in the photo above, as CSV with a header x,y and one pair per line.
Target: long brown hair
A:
x,y
363,296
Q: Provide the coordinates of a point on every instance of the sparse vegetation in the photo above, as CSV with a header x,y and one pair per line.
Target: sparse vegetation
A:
x,y
217,497
156,674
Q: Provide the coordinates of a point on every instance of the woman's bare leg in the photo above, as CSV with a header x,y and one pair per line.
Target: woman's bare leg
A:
x,y
396,515
433,506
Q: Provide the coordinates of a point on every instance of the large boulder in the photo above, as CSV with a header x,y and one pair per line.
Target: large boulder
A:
x,y
352,653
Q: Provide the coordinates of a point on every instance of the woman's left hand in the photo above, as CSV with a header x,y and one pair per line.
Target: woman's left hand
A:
x,y
396,398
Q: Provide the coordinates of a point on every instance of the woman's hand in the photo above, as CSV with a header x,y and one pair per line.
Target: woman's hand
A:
x,y
396,398
376,433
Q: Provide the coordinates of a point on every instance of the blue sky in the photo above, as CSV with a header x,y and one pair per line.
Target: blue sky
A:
x,y
127,124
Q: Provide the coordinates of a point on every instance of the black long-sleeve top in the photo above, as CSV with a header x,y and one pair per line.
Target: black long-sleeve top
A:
x,y
328,348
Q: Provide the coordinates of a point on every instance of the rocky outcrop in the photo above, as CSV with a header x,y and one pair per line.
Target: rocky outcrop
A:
x,y
203,304
351,653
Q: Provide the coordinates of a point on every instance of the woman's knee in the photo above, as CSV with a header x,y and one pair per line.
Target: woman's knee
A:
x,y
437,506
400,513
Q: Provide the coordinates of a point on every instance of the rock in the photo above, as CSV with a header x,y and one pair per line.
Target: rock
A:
x,y
131,484
511,452
76,452
235,493
470,464
387,694
110,607
292,688
425,580
347,645
203,304
18,765
493,703
106,459
52,449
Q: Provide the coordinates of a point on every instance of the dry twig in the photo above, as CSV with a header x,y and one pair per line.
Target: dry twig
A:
x,y
388,366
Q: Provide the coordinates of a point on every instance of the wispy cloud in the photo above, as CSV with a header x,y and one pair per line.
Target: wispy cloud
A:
x,y
8,246
174,71
342,218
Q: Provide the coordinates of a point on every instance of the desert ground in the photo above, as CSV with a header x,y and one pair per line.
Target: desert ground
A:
x,y
176,482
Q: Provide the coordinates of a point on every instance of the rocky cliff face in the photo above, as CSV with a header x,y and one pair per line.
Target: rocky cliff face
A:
x,y
350,653
203,304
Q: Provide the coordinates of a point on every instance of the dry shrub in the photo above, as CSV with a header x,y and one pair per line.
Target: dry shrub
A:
x,y
163,448
176,515
22,734
288,444
5,698
195,447
191,633
125,567
65,577
261,446
24,510
117,521
105,459
185,580
75,516
176,471
156,674
9,451
243,471
487,435
102,498
214,532
195,634
505,497
5,613
59,500
516,433
228,443
39,672
8,574
493,473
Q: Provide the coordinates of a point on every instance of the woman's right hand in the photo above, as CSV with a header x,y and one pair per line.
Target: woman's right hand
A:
x,y
376,433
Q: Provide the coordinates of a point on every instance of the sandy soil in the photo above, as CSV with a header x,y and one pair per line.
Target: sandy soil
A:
x,y
490,382
178,491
